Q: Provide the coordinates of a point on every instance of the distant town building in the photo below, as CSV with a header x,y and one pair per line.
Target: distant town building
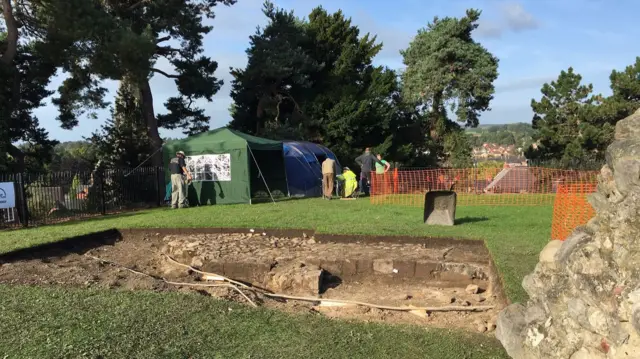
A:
x,y
495,152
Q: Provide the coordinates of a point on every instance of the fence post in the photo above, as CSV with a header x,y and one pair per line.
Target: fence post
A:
x,y
103,209
475,180
23,204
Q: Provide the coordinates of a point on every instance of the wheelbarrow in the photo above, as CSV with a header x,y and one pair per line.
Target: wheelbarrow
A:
x,y
440,207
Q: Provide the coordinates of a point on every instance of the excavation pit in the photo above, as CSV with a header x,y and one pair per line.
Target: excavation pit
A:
x,y
389,272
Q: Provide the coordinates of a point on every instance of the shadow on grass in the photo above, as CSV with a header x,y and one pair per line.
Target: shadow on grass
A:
x,y
73,245
86,220
466,220
262,200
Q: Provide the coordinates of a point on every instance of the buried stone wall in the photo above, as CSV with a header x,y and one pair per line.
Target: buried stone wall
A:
x,y
585,292
299,265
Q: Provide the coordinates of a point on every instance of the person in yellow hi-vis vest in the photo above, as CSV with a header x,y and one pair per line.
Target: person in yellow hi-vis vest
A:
x,y
350,182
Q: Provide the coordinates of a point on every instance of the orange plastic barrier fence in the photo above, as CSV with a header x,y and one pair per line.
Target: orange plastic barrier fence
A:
x,y
571,209
518,185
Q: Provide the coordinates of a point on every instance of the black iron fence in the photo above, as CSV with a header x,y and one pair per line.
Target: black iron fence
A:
x,y
34,199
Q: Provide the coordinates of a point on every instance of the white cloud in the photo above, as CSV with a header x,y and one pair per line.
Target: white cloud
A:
x,y
512,16
517,18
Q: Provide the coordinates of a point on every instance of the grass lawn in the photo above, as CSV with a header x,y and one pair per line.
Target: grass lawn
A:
x,y
131,325
55,323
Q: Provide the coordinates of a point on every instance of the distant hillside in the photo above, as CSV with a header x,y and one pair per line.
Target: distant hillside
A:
x,y
518,134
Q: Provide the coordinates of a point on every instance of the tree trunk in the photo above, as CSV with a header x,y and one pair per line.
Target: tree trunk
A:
x,y
434,116
6,60
12,33
151,122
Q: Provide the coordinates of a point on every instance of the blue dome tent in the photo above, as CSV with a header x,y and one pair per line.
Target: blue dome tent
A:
x,y
302,162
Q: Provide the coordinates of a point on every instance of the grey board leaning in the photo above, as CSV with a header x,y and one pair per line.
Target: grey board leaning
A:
x,y
440,208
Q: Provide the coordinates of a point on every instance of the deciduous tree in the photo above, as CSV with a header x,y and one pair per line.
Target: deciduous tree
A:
x,y
74,156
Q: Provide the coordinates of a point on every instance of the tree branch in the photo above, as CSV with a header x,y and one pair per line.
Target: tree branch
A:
x,y
166,49
280,98
137,5
153,69
12,33
163,39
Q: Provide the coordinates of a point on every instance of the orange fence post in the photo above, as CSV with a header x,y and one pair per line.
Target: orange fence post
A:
x,y
372,188
395,180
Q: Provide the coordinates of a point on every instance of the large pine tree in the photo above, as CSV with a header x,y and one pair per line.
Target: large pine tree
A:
x,y
138,40
573,125
314,80
560,118
625,98
270,92
32,45
123,141
446,69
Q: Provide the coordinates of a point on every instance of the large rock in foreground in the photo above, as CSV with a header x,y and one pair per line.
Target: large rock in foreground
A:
x,y
585,292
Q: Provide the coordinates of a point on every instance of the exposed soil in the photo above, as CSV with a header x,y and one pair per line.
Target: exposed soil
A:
x,y
391,274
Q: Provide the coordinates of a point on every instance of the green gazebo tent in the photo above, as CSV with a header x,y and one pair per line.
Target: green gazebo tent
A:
x,y
230,167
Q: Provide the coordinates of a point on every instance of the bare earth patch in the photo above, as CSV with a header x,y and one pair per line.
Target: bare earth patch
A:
x,y
390,274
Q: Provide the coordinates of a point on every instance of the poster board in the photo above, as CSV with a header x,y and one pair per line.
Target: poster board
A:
x,y
210,167
7,195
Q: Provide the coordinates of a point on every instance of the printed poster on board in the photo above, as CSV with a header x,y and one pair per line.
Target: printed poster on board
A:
x,y
7,195
210,167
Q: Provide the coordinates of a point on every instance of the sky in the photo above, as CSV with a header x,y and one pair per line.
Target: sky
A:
x,y
533,39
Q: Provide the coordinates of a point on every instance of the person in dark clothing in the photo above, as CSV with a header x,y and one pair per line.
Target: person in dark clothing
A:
x,y
178,169
367,162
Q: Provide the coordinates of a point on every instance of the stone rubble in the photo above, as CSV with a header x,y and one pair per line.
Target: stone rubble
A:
x,y
238,246
585,292
267,260
295,279
472,289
